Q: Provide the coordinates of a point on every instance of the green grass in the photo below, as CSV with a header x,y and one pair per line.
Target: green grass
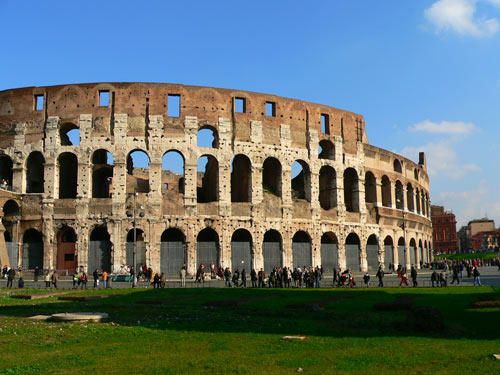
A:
x,y
469,256
235,331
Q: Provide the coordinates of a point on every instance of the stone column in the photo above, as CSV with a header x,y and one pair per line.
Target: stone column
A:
x,y
363,260
225,157
341,251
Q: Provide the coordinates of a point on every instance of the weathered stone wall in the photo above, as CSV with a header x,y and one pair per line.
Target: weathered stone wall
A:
x,y
136,118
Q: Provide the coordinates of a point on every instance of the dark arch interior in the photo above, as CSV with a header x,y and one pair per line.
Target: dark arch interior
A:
x,y
32,236
372,240
401,241
400,200
139,235
272,236
241,179
7,236
102,173
6,165
351,190
208,179
409,197
100,233
66,235
327,188
34,172
271,176
329,237
301,236
386,192
69,134
172,235
397,166
326,150
370,188
208,235
10,208
352,239
241,235
301,183
388,241
68,175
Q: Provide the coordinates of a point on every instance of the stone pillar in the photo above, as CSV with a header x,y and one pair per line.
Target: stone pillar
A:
x,y
378,189
381,252
395,255
225,167
341,252
363,260
258,256
19,160
393,195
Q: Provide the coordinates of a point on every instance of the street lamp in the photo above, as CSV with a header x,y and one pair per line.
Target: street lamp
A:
x,y
132,212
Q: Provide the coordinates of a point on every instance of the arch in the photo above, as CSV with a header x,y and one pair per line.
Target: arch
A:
x,y
172,172
422,197
370,188
397,166
409,197
100,248
413,252
401,252
415,173
35,169
207,137
6,172
400,197
207,248
102,174
271,176
272,250
301,181
329,252
388,252
66,249
135,237
327,187
69,134
351,190
372,253
138,164
32,249
326,150
208,179
11,210
301,249
172,251
68,175
421,253
417,201
386,192
241,250
353,252
241,179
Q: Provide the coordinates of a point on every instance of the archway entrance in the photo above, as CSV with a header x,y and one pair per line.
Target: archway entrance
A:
x,y
99,250
388,253
66,246
272,250
352,251
241,250
32,249
207,248
301,250
140,248
372,253
172,251
401,252
329,252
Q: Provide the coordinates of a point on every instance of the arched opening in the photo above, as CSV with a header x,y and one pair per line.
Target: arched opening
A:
x,y
207,137
271,177
137,172
172,251
424,212
241,250
413,252
351,190
135,240
10,220
35,172
66,246
409,197
353,252
415,174
372,253
207,248
329,252
208,179
11,210
386,192
326,150
241,179
102,174
32,249
388,253
421,253
69,134
100,248
327,187
172,174
272,250
417,201
370,188
426,252
6,166
400,197
68,175
397,166
401,252
301,249
301,181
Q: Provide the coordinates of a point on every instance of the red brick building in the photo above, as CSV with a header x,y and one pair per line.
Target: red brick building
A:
x,y
444,230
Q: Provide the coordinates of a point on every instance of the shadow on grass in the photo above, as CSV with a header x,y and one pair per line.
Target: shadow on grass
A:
x,y
337,313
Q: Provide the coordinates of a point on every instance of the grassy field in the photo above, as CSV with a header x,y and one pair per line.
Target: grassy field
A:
x,y
236,331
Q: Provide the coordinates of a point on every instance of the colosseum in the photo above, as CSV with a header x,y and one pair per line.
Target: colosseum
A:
x,y
93,174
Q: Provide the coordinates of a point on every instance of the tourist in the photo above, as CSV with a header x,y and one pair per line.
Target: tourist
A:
x,y
261,278
477,278
83,280
47,279
10,277
366,279
434,278
403,277
95,275
380,277
55,278
104,279
227,277
413,275
443,279
253,278
243,278
75,280
455,270
236,277
156,281
20,283
183,276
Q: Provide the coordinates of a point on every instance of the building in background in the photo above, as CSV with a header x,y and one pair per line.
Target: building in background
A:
x,y
479,234
444,230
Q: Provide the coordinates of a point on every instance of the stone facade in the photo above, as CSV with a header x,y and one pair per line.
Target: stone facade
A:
x,y
350,195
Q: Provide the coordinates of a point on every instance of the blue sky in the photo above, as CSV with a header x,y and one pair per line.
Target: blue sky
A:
x,y
425,74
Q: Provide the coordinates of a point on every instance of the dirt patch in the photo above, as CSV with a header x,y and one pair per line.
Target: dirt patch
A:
x,y
35,296
486,304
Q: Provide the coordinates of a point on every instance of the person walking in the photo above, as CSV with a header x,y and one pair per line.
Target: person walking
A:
x,y
413,275
380,277
262,276
83,279
11,274
243,278
403,277
476,275
227,277
454,276
183,276
366,279
253,277
95,275
104,279
434,278
55,278
47,279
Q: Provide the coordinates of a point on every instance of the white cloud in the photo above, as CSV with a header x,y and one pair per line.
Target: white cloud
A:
x,y
460,16
443,127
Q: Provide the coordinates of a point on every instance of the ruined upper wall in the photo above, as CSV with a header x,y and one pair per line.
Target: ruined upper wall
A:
x,y
139,100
